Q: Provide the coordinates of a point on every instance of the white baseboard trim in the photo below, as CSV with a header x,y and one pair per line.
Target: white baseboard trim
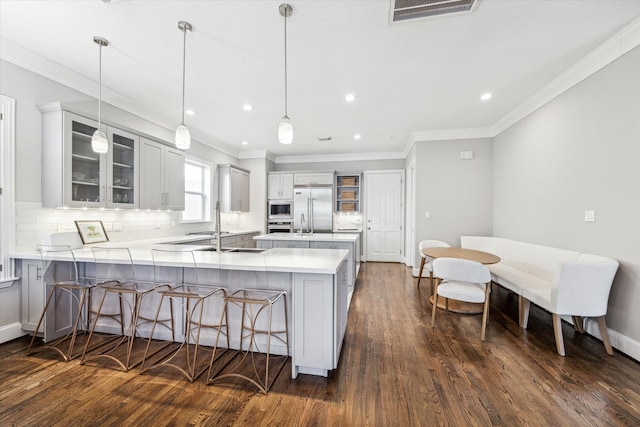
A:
x,y
11,331
620,342
416,270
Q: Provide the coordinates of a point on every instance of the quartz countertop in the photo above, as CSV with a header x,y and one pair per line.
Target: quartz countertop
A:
x,y
311,237
322,261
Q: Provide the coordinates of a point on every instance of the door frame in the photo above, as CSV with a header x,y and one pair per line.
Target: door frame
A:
x,y
365,214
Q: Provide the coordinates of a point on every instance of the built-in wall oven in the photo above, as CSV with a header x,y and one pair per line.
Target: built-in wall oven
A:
x,y
280,226
280,216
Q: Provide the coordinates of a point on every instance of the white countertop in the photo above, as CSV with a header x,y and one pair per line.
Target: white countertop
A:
x,y
311,237
321,261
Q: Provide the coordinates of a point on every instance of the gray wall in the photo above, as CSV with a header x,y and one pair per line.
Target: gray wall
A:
x,y
457,193
580,151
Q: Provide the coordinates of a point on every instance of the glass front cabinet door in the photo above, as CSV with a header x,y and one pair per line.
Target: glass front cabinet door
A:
x,y
85,171
95,180
122,172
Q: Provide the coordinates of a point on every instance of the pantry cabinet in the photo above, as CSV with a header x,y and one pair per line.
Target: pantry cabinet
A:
x,y
233,188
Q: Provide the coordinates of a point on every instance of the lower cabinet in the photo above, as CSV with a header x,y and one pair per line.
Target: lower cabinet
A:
x,y
320,319
62,309
10,325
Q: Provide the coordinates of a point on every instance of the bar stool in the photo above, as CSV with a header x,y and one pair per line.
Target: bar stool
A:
x,y
253,302
60,273
194,299
115,276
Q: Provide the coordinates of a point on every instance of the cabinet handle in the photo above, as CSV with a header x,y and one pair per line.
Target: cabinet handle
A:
x,y
104,190
110,191
38,273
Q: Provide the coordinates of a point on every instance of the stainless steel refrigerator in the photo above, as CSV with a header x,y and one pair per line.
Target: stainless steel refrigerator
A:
x,y
316,204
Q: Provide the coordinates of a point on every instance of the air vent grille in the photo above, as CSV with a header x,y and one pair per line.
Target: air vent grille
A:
x,y
403,10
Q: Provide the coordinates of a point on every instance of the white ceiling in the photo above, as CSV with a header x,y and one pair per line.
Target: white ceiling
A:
x,y
418,76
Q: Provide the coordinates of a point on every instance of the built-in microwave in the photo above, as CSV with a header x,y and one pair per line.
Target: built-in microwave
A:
x,y
280,209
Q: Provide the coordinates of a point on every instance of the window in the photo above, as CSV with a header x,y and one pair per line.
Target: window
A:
x,y
197,195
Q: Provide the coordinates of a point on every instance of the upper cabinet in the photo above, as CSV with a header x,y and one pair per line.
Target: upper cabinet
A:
x,y
73,175
233,188
279,186
161,176
313,178
347,192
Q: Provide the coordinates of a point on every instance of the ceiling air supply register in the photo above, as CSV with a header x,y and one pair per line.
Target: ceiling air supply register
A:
x,y
404,10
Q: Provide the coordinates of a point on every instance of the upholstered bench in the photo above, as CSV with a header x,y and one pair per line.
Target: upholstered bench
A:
x,y
563,282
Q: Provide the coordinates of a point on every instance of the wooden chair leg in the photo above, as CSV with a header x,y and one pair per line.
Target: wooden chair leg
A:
x,y
557,331
578,323
485,313
602,324
523,311
431,280
433,310
420,273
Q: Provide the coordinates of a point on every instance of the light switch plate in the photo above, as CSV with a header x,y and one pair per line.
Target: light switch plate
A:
x,y
427,215
590,216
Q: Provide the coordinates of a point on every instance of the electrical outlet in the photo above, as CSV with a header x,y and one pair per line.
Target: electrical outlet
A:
x,y
590,216
117,226
427,215
156,224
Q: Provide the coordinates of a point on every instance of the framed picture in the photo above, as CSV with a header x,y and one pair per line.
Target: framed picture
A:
x,y
92,232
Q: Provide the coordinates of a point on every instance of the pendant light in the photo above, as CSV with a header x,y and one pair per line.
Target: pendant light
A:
x,y
285,128
183,136
99,142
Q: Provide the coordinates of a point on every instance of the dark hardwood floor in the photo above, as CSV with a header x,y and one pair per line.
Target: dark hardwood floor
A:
x,y
394,371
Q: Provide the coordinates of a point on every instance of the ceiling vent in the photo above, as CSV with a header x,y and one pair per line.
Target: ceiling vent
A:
x,y
404,10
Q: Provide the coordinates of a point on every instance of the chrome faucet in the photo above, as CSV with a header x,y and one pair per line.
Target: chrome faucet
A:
x,y
218,240
301,223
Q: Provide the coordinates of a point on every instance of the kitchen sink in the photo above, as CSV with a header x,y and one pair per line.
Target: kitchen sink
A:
x,y
236,250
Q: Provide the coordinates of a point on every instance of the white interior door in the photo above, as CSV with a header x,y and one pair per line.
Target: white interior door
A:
x,y
384,213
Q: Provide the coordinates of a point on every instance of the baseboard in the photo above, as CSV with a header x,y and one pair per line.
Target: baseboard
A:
x,y
11,332
415,271
620,342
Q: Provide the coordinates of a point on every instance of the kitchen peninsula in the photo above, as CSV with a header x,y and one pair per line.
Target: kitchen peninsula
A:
x,y
316,281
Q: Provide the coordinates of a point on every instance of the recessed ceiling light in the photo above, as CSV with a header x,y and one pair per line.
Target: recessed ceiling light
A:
x,y
350,97
486,96
245,143
247,107
357,136
190,112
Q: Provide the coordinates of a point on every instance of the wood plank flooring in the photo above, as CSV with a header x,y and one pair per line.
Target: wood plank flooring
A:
x,y
394,371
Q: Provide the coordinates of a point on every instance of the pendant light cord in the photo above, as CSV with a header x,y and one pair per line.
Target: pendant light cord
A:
x,y
286,113
184,60
100,90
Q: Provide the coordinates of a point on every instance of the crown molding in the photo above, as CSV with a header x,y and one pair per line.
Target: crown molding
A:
x,y
327,158
451,134
622,42
257,154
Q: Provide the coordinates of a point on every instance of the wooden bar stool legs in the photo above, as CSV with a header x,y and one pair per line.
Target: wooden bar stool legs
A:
x,y
253,303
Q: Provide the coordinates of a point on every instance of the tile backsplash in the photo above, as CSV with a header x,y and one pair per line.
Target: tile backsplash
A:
x,y
33,221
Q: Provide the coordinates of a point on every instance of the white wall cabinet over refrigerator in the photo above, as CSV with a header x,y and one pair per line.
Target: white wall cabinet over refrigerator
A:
x,y
161,176
279,186
73,175
233,188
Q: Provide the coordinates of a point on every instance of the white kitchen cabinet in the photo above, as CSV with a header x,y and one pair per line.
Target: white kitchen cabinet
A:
x,y
62,309
313,178
10,321
246,240
74,175
161,176
279,186
320,316
233,188
300,244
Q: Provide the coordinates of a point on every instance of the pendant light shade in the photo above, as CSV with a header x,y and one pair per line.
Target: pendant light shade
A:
x,y
285,128
99,142
285,131
183,136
